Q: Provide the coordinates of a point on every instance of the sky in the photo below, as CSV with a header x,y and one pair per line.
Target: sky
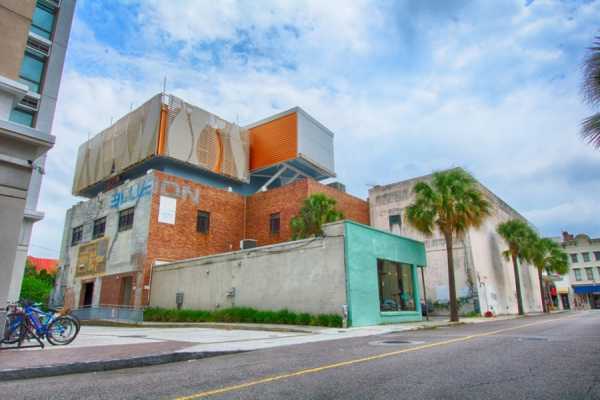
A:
x,y
407,87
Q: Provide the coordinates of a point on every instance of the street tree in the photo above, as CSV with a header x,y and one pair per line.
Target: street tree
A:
x,y
520,238
547,255
590,129
318,209
452,203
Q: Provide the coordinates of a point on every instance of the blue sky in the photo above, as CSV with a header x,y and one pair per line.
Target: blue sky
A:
x,y
408,88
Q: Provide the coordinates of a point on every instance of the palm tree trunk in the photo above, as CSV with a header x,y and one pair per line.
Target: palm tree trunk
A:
x,y
518,284
544,306
451,280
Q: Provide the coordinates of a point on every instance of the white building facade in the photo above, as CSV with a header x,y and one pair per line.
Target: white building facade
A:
x,y
484,278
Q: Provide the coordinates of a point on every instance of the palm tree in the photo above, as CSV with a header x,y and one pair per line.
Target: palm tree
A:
x,y
318,209
547,255
520,238
452,203
590,129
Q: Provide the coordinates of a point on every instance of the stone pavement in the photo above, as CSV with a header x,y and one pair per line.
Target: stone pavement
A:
x,y
109,347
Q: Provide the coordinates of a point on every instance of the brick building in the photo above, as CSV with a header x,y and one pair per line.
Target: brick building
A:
x,y
170,181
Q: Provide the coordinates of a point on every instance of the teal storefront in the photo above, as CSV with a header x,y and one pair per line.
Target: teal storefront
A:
x,y
381,276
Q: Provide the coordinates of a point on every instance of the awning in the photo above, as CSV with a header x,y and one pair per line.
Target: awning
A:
x,y
586,289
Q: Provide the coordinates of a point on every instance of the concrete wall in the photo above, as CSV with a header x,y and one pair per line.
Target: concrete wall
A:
x,y
126,249
302,276
480,270
15,19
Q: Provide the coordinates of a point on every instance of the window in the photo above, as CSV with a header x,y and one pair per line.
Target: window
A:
x,y
42,21
395,222
586,256
589,274
396,286
577,272
99,228
597,255
274,223
126,219
32,70
77,235
573,257
203,222
22,117
598,268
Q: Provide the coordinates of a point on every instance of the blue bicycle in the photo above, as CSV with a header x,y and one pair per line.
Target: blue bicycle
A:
x,y
31,322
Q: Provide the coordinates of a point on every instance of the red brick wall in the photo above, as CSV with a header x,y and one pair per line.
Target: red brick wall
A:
x,y
110,293
354,209
287,200
181,240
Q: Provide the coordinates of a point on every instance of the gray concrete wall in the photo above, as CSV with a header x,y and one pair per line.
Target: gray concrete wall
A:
x,y
302,276
126,249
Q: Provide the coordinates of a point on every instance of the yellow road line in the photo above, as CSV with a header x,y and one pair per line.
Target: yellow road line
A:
x,y
355,361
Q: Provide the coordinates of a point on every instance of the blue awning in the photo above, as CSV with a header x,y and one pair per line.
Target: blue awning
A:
x,y
586,289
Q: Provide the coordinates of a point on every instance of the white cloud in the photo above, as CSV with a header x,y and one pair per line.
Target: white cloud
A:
x,y
483,97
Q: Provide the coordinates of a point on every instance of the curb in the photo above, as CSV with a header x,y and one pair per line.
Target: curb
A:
x,y
207,325
106,365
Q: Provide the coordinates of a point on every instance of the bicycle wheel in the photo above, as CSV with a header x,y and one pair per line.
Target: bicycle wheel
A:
x,y
62,331
12,328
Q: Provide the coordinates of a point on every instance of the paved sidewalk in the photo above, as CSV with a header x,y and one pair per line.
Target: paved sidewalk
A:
x,y
110,347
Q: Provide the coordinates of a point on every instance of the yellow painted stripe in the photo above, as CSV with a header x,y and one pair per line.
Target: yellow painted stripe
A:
x,y
355,361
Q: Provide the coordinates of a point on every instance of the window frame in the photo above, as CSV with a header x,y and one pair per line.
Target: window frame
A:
x,y
275,223
126,219
577,273
28,80
589,271
586,256
399,266
203,215
574,258
597,255
43,32
95,231
392,223
76,235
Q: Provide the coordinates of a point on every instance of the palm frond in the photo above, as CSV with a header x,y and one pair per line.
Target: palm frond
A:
x,y
591,73
590,130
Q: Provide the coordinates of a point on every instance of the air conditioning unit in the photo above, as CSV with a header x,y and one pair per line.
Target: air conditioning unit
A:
x,y
247,244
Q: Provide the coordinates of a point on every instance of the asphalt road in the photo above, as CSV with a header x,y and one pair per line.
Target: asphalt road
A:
x,y
549,357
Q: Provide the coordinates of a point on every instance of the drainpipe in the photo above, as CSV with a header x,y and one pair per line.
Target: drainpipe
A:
x,y
422,268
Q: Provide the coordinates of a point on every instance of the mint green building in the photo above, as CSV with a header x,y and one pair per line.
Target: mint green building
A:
x,y
381,276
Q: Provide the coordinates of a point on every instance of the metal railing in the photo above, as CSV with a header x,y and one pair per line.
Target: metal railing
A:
x,y
110,313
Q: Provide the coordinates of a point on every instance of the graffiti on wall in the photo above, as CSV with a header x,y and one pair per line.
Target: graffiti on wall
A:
x,y
91,258
145,187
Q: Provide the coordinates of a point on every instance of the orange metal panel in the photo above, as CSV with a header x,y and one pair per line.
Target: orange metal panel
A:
x,y
274,141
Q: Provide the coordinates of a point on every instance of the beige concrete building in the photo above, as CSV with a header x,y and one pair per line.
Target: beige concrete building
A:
x,y
580,287
33,42
484,279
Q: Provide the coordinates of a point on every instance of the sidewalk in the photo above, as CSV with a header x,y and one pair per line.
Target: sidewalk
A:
x,y
99,348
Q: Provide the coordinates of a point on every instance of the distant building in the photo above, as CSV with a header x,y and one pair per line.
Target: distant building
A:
x,y
484,279
49,265
580,287
33,42
170,181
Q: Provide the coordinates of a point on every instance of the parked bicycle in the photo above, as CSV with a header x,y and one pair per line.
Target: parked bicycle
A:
x,y
27,321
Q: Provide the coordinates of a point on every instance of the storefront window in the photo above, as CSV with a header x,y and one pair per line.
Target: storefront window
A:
x,y
396,286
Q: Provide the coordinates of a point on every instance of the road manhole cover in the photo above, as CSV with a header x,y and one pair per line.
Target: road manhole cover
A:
x,y
394,342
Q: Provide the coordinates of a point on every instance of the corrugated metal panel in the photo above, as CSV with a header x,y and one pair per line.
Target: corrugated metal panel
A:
x,y
315,142
274,141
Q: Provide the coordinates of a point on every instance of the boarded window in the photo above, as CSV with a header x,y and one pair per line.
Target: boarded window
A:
x,y
274,223
203,222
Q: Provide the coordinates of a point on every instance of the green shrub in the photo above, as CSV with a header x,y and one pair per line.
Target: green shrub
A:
x,y
241,314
